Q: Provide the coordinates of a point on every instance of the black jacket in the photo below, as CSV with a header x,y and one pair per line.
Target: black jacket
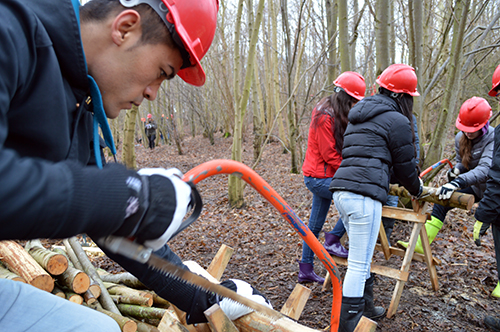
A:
x,y
489,206
377,138
46,129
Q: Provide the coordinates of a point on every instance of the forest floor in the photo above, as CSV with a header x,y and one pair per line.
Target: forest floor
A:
x,y
267,248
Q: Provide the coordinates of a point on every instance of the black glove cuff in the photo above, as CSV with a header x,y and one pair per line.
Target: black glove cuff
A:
x,y
459,182
137,205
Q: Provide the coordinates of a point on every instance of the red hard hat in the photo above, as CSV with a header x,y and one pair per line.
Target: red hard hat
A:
x,y
192,25
473,115
495,82
149,116
352,83
399,78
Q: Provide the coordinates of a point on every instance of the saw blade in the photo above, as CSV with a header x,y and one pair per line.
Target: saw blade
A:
x,y
189,277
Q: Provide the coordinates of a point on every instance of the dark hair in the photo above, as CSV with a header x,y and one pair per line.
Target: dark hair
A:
x,y
405,103
465,150
336,106
154,31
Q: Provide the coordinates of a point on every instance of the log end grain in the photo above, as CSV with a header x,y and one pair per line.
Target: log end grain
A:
x,y
57,264
43,282
81,283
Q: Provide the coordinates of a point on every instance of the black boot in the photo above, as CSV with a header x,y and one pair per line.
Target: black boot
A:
x,y
492,322
388,226
350,313
371,311
306,274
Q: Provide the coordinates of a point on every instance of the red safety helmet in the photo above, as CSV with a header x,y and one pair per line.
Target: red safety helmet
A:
x,y
192,25
399,78
352,83
149,116
495,82
474,114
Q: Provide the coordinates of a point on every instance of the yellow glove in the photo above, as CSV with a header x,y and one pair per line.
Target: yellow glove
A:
x,y
480,229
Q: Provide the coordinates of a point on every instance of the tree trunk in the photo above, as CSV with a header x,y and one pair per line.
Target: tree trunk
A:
x,y
345,64
382,36
128,150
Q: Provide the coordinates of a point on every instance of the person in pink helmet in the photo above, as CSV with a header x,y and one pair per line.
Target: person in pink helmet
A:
x,y
65,69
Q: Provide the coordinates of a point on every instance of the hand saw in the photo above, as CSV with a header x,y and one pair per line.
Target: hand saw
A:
x,y
145,255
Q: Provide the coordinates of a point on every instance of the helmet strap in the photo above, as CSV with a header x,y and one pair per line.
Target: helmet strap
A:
x,y
337,89
162,10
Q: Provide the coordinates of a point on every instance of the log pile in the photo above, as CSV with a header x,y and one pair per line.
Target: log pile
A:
x,y
67,272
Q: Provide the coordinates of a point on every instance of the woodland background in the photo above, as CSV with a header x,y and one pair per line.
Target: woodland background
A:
x,y
270,63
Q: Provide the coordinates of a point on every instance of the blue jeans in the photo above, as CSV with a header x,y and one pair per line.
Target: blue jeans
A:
x,y
361,216
26,308
322,199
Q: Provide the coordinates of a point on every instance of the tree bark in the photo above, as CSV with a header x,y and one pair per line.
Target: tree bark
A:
x,y
21,263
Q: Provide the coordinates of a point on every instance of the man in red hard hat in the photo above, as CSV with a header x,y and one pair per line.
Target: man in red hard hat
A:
x,y
64,69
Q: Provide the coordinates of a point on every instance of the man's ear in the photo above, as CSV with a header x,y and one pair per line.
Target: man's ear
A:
x,y
125,26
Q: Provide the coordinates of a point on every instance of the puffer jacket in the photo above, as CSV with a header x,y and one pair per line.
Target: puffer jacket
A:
x,y
489,206
322,159
377,138
479,165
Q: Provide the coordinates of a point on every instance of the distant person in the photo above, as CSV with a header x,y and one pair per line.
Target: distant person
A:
x,y
323,157
150,128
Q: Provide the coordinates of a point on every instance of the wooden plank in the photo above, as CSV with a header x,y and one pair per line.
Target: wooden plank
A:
x,y
384,244
403,214
378,269
428,258
296,301
365,324
257,322
401,252
218,320
220,261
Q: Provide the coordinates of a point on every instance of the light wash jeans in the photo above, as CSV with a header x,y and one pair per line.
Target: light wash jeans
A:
x,y
29,309
322,199
361,216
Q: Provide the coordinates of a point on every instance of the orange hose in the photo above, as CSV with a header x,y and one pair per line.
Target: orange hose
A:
x,y
247,174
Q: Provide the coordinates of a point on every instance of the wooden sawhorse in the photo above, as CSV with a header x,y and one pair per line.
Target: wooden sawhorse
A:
x,y
417,217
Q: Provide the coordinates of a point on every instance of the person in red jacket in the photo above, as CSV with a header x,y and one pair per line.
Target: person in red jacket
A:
x,y
323,157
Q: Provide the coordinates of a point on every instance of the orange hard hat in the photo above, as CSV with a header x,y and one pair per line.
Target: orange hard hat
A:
x,y
399,78
143,119
192,25
495,82
352,83
149,116
473,115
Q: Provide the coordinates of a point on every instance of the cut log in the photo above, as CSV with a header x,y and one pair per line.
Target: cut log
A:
x,y
257,322
218,320
7,274
52,262
58,292
158,301
141,312
114,289
366,325
75,298
144,327
133,299
21,263
74,279
88,297
94,288
170,323
83,259
125,278
430,194
126,324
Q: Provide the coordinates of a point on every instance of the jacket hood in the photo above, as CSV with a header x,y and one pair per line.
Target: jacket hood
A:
x,y
370,107
66,41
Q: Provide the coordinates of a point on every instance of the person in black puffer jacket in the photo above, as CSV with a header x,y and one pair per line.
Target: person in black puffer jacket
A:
x,y
379,136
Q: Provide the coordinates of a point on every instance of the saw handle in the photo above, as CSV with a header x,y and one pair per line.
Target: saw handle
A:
x,y
126,247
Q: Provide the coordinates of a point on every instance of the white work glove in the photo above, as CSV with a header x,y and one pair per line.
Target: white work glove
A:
x,y
445,191
235,310
452,174
158,203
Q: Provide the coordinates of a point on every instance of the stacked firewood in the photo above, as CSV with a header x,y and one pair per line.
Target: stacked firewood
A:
x,y
67,272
